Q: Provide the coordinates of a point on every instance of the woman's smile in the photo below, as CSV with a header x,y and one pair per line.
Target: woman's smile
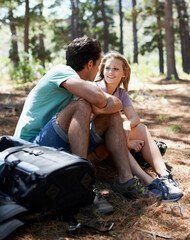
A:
x,y
113,71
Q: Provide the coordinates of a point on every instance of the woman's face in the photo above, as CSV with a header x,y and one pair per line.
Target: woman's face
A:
x,y
113,71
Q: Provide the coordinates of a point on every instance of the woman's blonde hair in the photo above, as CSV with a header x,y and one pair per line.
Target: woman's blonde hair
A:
x,y
126,68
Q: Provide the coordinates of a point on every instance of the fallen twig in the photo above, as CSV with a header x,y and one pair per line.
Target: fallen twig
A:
x,y
153,233
180,208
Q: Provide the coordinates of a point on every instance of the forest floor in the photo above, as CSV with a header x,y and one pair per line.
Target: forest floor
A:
x,y
165,108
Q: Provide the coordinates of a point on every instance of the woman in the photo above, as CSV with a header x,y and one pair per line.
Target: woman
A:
x,y
114,72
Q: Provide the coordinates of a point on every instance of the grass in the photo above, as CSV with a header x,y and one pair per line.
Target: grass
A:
x,y
174,128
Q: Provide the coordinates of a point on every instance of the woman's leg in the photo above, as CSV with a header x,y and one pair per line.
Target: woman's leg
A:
x,y
145,178
150,150
101,153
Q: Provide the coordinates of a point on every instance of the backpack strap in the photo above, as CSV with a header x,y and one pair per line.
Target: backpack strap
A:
x,y
6,153
8,227
7,141
73,229
8,211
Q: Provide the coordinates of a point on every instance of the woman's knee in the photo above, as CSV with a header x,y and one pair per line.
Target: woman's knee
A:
x,y
142,129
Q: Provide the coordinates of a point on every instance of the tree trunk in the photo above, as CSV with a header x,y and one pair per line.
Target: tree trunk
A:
x,y
42,50
79,31
14,51
121,26
95,17
169,38
161,56
135,43
106,26
160,42
41,38
74,19
26,26
184,34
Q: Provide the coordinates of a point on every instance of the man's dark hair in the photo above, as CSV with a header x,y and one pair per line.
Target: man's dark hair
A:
x,y
81,50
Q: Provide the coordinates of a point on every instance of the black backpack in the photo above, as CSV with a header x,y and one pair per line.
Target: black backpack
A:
x,y
39,178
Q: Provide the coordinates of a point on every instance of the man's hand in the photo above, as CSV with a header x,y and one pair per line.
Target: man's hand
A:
x,y
113,105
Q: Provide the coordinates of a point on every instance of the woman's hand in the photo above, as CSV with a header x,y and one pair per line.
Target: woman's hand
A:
x,y
137,145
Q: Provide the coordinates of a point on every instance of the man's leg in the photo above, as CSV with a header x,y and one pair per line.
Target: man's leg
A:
x,y
115,141
74,120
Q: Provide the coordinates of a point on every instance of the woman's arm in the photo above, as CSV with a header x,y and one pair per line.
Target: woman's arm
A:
x,y
132,116
132,121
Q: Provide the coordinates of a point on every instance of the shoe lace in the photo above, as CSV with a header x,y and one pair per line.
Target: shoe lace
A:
x,y
163,188
171,179
138,186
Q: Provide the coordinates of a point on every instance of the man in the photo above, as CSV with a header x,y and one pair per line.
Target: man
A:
x,y
57,113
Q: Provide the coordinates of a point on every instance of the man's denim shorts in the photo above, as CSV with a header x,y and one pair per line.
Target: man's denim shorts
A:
x,y
53,136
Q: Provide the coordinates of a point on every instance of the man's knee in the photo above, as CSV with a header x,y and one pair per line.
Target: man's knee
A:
x,y
84,107
81,106
80,110
108,120
116,118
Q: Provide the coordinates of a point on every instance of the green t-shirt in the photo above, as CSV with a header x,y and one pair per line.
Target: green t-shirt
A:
x,y
44,101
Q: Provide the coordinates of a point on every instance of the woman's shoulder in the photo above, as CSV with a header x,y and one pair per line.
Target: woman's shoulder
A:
x,y
123,91
124,97
101,84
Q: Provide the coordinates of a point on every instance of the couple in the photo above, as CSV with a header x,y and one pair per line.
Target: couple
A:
x,y
58,110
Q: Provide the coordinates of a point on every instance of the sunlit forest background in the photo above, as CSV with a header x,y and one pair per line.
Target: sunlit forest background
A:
x,y
152,34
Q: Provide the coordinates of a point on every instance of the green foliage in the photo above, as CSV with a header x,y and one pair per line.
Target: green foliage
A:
x,y
28,70
53,20
173,78
38,51
145,69
153,30
149,46
61,37
174,128
4,61
161,117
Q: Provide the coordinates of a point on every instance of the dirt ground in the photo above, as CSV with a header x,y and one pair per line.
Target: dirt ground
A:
x,y
164,108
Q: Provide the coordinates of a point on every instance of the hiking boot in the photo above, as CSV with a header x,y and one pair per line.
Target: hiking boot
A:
x,y
101,205
131,189
167,188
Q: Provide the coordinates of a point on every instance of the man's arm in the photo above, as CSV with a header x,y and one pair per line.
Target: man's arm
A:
x,y
113,105
86,90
